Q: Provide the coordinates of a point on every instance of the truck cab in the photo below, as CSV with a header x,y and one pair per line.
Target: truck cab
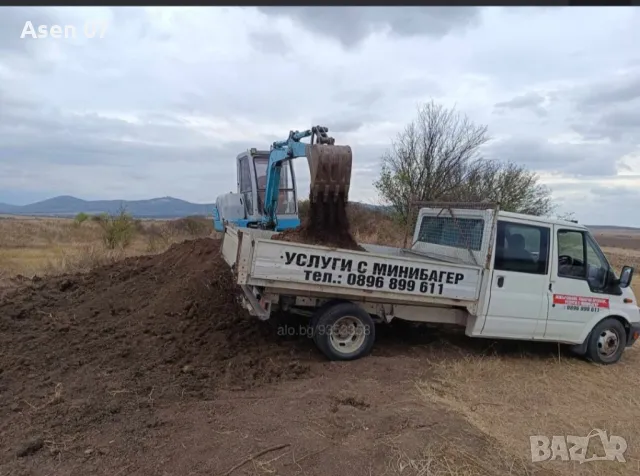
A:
x,y
551,281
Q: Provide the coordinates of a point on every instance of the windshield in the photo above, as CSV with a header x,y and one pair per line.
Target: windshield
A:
x,y
286,197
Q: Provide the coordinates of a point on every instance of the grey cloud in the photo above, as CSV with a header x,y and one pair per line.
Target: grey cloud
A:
x,y
137,19
341,125
615,193
583,160
530,101
13,20
25,54
619,125
359,98
30,134
269,42
598,205
371,96
607,93
608,109
351,25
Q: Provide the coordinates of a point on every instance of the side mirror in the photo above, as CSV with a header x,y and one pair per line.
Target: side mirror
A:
x,y
625,276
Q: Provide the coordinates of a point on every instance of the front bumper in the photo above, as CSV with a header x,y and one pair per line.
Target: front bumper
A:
x,y
634,334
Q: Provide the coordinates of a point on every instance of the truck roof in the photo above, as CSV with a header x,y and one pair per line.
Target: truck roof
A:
x,y
539,219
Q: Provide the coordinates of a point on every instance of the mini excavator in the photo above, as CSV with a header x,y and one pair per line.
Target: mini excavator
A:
x,y
266,196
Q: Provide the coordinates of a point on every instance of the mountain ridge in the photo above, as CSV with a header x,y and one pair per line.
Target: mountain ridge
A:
x,y
67,205
160,207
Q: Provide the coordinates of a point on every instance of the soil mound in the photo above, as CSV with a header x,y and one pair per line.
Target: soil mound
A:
x,y
156,327
326,224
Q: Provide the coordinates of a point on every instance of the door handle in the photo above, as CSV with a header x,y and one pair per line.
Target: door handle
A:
x,y
500,281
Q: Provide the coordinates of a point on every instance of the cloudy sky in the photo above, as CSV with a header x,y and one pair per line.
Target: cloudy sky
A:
x,y
163,103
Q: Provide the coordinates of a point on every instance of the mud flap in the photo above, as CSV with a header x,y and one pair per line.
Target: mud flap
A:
x,y
254,306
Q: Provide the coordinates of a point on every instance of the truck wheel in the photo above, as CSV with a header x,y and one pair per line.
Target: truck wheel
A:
x,y
344,331
607,342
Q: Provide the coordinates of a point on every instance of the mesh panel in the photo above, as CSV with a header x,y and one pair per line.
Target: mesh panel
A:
x,y
456,232
450,231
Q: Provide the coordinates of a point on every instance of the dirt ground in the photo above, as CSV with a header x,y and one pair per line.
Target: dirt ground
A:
x,y
149,366
326,224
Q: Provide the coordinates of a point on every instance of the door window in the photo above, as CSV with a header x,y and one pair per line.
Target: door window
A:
x,y
522,248
580,257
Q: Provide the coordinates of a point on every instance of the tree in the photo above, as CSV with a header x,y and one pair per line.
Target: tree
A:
x,y
512,185
436,158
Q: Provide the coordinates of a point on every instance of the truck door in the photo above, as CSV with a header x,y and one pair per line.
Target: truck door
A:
x,y
518,296
579,284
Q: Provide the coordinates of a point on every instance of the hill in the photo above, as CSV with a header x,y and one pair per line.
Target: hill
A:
x,y
165,207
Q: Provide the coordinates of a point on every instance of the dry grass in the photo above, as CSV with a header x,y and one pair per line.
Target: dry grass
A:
x,y
42,246
513,397
372,227
510,398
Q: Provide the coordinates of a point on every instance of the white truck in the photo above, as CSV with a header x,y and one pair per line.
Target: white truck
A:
x,y
499,274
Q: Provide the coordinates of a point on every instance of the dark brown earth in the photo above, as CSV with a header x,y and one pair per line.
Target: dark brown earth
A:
x,y
326,224
150,367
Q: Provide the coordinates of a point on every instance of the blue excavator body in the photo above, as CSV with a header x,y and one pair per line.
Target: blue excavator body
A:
x,y
266,196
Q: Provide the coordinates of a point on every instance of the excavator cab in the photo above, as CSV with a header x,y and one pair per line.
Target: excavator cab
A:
x,y
252,184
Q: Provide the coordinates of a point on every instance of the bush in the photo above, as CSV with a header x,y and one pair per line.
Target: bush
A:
x,y
118,229
80,218
191,226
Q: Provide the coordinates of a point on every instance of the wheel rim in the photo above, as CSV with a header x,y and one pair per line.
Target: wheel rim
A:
x,y
608,343
347,335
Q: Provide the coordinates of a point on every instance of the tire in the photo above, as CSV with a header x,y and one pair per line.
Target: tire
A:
x,y
344,331
607,342
313,322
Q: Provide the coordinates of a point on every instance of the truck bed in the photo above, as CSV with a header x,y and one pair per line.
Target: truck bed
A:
x,y
381,274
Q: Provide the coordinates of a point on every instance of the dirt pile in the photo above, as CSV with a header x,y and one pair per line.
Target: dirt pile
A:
x,y
326,224
154,328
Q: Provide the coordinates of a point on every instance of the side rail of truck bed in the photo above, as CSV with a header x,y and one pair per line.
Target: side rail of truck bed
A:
x,y
316,271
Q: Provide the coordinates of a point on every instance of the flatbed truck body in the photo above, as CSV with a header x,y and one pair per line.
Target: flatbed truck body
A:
x,y
497,274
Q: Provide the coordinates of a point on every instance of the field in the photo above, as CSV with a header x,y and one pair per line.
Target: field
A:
x,y
137,360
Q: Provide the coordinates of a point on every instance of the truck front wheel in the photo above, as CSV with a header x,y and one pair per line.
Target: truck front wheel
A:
x,y
344,331
607,342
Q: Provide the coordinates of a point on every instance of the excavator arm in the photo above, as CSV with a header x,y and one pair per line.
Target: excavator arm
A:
x,y
329,165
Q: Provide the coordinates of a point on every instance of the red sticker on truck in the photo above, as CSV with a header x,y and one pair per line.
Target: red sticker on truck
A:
x,y
581,303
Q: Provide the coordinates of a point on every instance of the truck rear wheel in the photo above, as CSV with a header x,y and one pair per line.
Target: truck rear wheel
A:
x,y
607,342
344,331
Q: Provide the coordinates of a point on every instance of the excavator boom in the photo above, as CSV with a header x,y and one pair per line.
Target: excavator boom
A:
x,y
329,165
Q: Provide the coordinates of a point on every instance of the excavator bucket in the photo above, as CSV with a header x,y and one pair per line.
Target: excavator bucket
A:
x,y
330,167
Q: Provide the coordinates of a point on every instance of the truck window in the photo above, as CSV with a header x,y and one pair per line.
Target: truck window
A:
x,y
448,231
522,248
580,257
